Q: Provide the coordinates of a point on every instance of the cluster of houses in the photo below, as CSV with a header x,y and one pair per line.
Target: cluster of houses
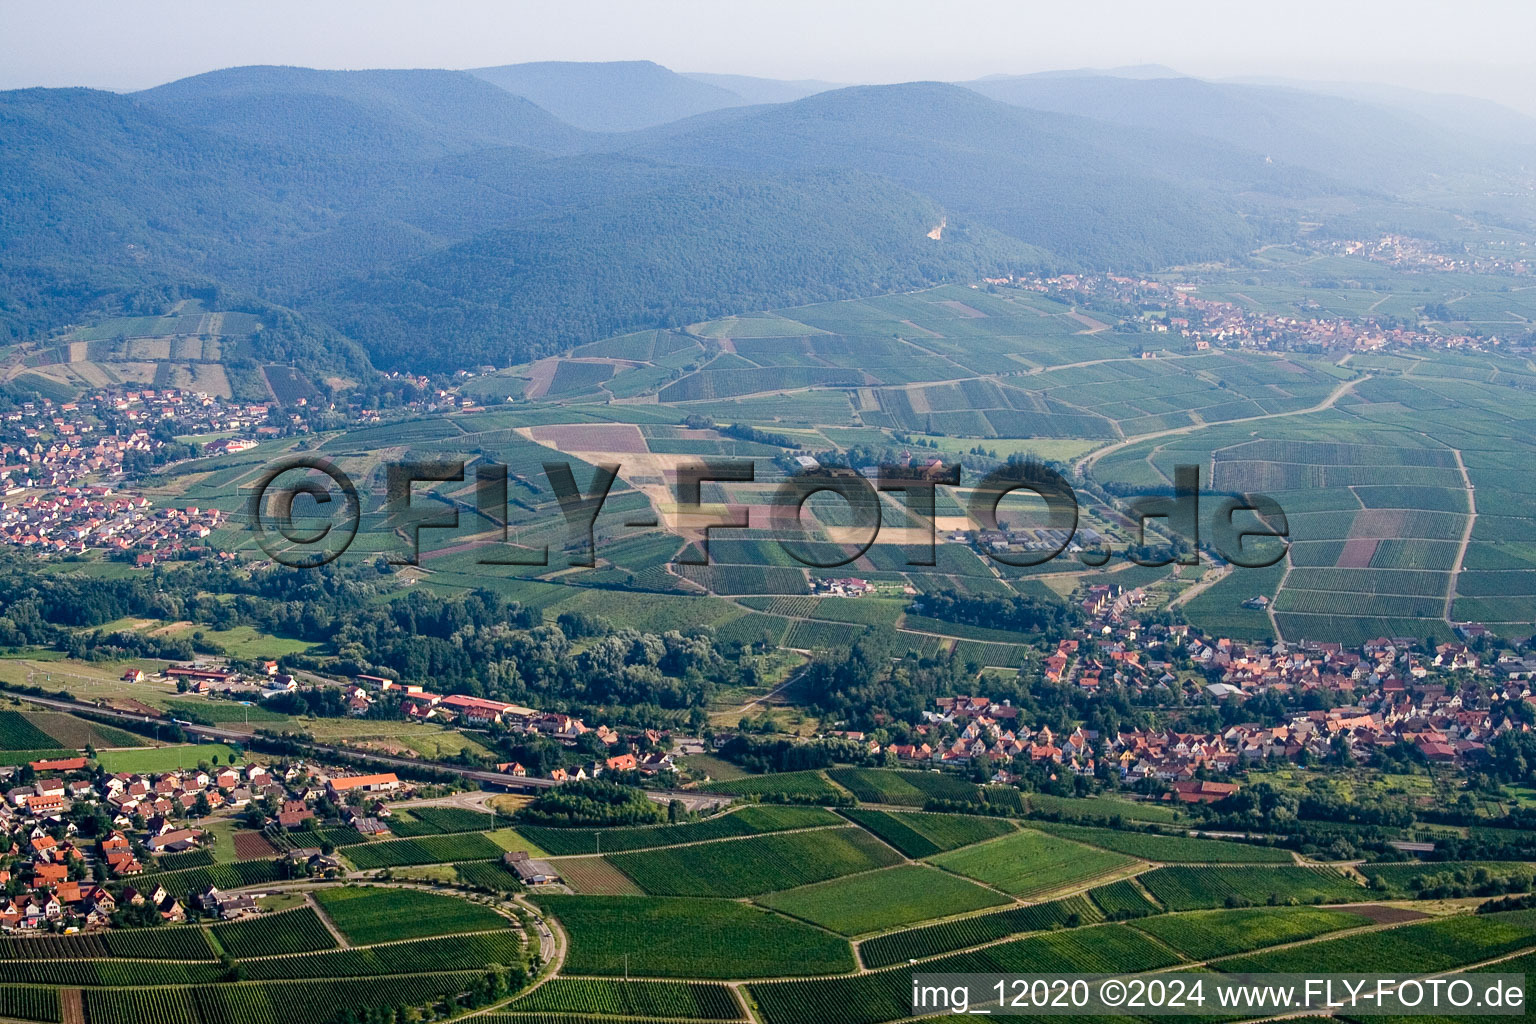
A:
x,y
62,462
1399,702
150,816
72,520
1417,254
843,586
1177,309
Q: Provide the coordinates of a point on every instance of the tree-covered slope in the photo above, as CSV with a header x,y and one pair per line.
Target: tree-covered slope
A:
x,y
712,244
1065,184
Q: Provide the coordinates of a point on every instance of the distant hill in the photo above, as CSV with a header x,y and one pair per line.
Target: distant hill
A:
x,y
618,96
764,90
441,221
1363,145
1469,115
1073,186
367,113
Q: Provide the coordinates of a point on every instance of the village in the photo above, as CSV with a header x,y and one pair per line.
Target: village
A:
x,y
58,877
1434,701
1177,309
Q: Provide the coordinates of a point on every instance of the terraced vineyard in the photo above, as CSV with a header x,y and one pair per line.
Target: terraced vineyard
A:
x,y
30,1002
747,867
1168,849
698,1001
878,900
430,849
369,914
920,835
936,939
811,785
1205,934
1187,888
455,953
270,1002
1027,863
292,931
887,995
754,820
287,965
1122,900
1420,948
690,938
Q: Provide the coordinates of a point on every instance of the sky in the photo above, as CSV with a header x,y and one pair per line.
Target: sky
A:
x,y
1474,47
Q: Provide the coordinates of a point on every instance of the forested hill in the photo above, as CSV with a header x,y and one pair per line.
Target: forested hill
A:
x,y
1351,141
440,219
715,244
363,114
1066,184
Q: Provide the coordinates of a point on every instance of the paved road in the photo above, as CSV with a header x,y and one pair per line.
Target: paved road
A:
x,y
693,799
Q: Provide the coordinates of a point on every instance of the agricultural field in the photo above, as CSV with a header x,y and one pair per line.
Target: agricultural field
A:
x,y
880,900
1206,934
453,953
749,867
1168,849
807,784
948,936
164,759
887,995
292,931
289,967
921,835
755,819
1189,888
1422,947
271,1002
78,733
689,938
222,876
671,999
368,914
18,733
1029,863
1122,900
429,849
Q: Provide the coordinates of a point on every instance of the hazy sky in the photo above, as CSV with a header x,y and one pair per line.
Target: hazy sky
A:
x,y
1472,46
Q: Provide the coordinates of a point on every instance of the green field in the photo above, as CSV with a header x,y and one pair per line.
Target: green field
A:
x,y
292,931
368,914
432,849
689,938
1029,863
1421,948
919,835
17,733
1168,849
163,759
1186,888
1205,934
948,936
887,995
748,867
879,900
633,1000
752,820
